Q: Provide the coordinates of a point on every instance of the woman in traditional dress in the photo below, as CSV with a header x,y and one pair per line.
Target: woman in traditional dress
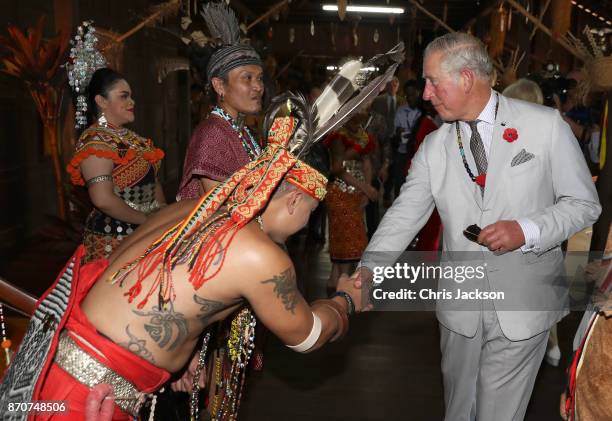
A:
x,y
348,194
118,166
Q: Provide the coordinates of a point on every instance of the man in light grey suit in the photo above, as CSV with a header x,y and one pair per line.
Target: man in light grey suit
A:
x,y
515,169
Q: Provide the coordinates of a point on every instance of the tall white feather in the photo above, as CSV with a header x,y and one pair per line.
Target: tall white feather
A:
x,y
338,91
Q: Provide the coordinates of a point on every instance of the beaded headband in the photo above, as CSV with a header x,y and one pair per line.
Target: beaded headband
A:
x,y
84,60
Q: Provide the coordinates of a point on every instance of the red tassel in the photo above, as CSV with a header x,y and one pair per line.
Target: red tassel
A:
x,y
213,247
133,292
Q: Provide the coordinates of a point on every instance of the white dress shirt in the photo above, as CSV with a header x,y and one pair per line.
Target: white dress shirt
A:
x,y
406,119
486,122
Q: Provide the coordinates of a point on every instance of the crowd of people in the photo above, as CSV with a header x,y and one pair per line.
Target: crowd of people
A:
x,y
134,308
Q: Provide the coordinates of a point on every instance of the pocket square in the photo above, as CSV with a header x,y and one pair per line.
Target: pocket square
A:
x,y
521,157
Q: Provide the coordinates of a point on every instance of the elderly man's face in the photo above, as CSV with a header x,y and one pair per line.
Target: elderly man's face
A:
x,y
447,94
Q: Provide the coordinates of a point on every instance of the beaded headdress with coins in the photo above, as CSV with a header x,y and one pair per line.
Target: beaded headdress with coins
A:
x,y
84,60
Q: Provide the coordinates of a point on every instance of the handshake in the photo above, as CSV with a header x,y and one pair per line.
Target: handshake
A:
x,y
357,286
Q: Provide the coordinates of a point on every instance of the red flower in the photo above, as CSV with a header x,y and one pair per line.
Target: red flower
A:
x,y
510,135
481,180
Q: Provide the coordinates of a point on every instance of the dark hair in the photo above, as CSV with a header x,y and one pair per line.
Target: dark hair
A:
x,y
101,83
412,84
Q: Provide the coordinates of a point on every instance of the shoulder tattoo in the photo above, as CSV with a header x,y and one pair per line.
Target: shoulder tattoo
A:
x,y
285,288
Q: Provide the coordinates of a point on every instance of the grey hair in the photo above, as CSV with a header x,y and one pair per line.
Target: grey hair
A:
x,y
525,89
462,51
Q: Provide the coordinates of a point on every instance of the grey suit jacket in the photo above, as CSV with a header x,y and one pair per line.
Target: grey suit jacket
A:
x,y
553,188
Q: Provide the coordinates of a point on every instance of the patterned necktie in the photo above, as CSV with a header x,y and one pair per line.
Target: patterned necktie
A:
x,y
477,148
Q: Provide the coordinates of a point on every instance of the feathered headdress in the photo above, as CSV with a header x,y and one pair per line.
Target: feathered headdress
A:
x,y
355,83
202,238
222,23
225,31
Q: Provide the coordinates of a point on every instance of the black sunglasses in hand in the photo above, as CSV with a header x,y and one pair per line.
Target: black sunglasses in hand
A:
x,y
472,232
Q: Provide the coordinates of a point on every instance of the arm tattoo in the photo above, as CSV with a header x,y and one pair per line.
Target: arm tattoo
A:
x,y
209,308
162,324
137,346
285,288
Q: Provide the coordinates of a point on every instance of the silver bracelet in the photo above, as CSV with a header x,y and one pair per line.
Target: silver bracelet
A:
x,y
99,179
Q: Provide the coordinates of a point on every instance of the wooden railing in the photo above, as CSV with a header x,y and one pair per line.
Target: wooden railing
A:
x,y
16,299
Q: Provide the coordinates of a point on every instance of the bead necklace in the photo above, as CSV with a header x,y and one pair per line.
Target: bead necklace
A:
x,y
240,348
480,178
249,143
462,152
194,401
125,137
6,343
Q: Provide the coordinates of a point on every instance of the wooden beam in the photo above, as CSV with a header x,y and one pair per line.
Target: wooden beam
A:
x,y
542,12
431,15
484,12
16,298
243,9
544,28
270,12
442,23
162,10
286,66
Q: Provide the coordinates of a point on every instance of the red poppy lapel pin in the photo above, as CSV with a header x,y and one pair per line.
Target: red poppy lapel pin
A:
x,y
510,135
481,179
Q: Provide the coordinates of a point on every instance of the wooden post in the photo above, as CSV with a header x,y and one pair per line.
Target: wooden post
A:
x,y
561,14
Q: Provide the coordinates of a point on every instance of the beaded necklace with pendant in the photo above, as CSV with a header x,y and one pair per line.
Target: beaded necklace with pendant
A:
x,y
125,137
462,152
249,143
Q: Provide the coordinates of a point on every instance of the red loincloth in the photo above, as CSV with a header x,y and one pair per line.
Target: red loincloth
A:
x,y
59,385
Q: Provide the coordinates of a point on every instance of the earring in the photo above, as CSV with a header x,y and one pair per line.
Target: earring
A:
x,y
102,121
221,98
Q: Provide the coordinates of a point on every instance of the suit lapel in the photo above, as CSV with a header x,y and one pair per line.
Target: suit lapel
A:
x,y
501,151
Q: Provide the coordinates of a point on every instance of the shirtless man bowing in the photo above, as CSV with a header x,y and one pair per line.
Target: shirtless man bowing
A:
x,y
194,263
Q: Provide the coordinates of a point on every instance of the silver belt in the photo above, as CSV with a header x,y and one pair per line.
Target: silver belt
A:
x,y
91,372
